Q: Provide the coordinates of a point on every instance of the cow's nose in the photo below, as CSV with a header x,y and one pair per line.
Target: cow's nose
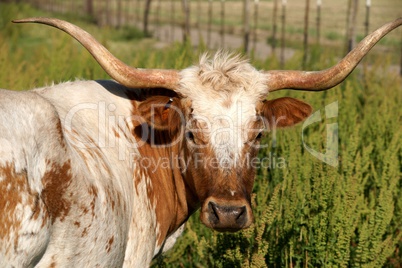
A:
x,y
226,217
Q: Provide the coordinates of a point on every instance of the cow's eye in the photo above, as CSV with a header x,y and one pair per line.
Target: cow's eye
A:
x,y
259,136
190,136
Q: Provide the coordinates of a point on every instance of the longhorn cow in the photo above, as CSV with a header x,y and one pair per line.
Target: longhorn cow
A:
x,y
106,173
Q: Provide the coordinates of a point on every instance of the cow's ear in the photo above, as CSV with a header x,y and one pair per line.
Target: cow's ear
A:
x,y
285,112
161,112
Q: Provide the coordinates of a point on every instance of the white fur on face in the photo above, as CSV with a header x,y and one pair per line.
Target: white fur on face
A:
x,y
224,93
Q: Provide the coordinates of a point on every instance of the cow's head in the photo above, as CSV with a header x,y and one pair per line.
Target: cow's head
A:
x,y
219,118
220,111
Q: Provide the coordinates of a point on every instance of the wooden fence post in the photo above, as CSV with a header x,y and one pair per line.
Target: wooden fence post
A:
x,y
108,13
158,20
274,26
305,34
172,20
72,6
318,21
186,24
119,13
137,11
400,67
222,31
246,24
209,23
147,9
89,7
351,25
367,21
256,2
199,17
283,23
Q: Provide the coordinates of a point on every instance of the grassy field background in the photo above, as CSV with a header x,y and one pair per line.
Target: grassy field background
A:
x,y
166,17
333,16
308,214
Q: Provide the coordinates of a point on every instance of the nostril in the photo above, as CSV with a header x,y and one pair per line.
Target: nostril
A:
x,y
213,213
241,212
241,218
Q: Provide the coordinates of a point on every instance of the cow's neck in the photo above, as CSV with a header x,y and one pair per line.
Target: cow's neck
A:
x,y
166,190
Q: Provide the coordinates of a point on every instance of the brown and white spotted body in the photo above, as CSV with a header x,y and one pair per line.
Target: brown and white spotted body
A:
x,y
105,174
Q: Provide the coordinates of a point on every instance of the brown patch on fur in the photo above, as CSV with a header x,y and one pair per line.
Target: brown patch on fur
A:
x,y
227,102
35,211
12,187
15,191
109,244
93,192
209,178
165,190
124,131
53,264
83,156
84,232
116,133
162,191
59,129
56,181
110,198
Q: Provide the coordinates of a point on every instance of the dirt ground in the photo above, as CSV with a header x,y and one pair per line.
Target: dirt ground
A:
x,y
167,34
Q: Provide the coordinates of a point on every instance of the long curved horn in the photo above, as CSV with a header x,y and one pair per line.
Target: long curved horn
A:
x,y
322,80
122,73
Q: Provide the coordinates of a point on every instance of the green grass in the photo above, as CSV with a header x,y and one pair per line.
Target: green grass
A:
x,y
307,213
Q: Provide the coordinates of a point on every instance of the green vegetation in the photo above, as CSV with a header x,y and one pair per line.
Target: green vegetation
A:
x,y
307,213
310,214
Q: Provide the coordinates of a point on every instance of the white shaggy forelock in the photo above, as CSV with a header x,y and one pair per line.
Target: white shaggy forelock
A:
x,y
224,92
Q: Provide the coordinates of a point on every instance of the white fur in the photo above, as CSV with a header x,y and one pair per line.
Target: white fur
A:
x,y
28,120
224,92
